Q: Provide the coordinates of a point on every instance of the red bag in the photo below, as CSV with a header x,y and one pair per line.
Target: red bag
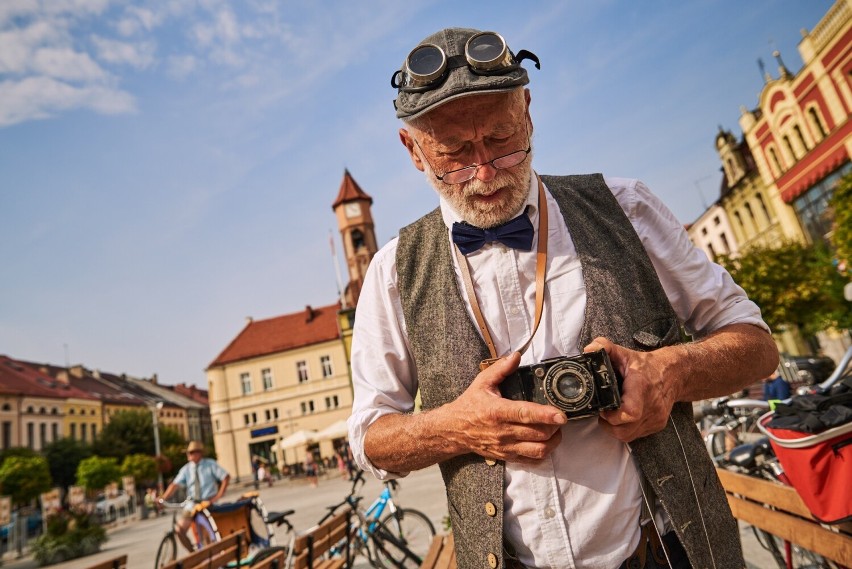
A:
x,y
819,467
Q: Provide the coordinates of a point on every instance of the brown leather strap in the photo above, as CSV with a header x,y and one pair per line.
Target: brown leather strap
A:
x,y
540,270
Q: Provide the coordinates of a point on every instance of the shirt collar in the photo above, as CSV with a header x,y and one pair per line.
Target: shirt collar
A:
x,y
450,215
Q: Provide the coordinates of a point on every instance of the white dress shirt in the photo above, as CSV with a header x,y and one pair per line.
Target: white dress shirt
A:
x,y
580,506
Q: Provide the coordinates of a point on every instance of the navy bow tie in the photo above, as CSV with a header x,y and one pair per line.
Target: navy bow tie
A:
x,y
516,233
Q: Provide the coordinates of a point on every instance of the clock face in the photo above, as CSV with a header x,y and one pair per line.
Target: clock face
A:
x,y
352,209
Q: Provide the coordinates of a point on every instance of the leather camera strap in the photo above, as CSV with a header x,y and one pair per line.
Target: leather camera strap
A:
x,y
540,269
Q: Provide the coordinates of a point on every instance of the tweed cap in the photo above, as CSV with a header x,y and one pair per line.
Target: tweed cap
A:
x,y
459,82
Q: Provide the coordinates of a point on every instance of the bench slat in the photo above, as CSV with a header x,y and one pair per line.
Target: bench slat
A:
x,y
227,549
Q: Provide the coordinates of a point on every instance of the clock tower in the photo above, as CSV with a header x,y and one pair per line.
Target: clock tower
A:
x,y
355,222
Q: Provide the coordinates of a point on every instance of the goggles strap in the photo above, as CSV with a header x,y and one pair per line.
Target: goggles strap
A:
x,y
524,54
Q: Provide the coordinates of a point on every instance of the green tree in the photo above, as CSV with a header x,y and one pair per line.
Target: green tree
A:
x,y
841,238
142,467
95,472
132,432
17,451
793,284
24,478
63,457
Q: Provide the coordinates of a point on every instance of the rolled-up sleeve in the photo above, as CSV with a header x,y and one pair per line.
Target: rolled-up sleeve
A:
x,y
702,293
384,378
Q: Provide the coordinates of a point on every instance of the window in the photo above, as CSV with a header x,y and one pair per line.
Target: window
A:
x,y
302,371
751,215
712,250
266,374
71,411
94,431
307,407
216,424
325,362
7,407
30,435
268,415
725,243
275,413
789,146
763,207
83,431
245,383
816,121
774,156
703,231
246,419
357,240
7,434
739,219
42,434
331,402
254,418
798,132
54,431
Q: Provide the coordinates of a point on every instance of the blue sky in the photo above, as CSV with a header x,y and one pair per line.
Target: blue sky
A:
x,y
167,167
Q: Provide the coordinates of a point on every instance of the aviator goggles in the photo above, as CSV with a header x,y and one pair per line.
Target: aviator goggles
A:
x,y
486,53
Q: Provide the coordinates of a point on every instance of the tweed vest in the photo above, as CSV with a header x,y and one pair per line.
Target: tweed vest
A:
x,y
625,303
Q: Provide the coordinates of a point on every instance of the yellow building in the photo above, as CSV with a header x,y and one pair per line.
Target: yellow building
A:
x,y
284,380
279,377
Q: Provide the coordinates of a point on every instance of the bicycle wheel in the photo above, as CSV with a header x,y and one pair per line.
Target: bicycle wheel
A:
x,y
167,552
402,539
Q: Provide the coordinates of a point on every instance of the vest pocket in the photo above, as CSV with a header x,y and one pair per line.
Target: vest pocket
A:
x,y
657,333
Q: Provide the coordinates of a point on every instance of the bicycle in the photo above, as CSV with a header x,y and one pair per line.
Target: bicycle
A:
x,y
400,539
209,523
727,423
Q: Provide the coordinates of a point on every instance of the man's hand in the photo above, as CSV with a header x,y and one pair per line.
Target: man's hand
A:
x,y
648,393
483,422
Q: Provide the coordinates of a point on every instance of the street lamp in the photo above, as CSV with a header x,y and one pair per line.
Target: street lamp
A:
x,y
155,412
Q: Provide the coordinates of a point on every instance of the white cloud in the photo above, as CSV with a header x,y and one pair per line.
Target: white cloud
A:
x,y
65,63
179,66
139,55
41,97
137,20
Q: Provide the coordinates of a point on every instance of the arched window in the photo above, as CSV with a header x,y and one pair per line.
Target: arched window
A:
x,y
778,169
739,219
763,207
817,122
357,240
30,409
799,134
42,411
789,146
751,215
7,407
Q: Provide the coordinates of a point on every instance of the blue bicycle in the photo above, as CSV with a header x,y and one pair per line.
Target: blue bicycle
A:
x,y
400,539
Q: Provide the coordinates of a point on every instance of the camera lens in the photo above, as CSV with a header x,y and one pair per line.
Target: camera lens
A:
x,y
568,386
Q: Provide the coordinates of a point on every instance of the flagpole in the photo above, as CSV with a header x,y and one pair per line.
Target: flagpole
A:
x,y
336,270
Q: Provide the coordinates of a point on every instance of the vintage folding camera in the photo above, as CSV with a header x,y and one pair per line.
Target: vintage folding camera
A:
x,y
581,386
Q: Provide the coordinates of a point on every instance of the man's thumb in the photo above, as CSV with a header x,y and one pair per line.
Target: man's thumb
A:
x,y
497,371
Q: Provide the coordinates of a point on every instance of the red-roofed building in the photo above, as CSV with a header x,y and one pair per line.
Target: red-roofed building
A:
x,y
37,409
288,376
800,135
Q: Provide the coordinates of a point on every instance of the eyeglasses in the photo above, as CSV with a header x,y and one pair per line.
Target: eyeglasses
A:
x,y
462,175
486,53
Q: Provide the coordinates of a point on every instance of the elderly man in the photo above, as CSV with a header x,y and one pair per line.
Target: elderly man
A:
x,y
511,270
205,481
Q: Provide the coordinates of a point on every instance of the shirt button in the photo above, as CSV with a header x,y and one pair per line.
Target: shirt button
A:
x,y
549,512
490,509
514,310
492,560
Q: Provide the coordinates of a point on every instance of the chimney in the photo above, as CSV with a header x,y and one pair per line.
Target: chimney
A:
x,y
96,374
62,376
77,371
154,379
309,313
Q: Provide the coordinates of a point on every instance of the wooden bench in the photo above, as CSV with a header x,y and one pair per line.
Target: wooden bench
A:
x,y
313,549
788,517
277,560
442,553
119,562
217,554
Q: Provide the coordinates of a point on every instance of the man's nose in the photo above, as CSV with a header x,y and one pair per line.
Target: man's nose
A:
x,y
486,172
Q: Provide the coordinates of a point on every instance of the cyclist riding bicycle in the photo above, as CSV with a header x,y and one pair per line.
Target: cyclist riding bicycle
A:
x,y
205,481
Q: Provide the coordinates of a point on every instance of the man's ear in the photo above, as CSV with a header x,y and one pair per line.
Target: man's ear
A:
x,y
407,141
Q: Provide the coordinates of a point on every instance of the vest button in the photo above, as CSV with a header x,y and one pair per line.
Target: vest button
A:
x,y
492,561
490,509
490,462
